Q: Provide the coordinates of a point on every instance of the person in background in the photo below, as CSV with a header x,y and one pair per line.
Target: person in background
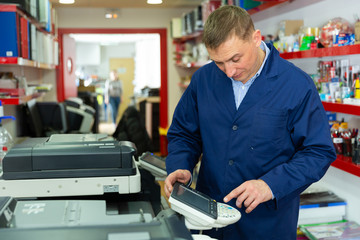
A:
x,y
259,124
114,94
106,99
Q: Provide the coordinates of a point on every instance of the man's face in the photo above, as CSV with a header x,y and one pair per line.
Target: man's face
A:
x,y
238,59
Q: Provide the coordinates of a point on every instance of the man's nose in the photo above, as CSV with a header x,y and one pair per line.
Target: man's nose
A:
x,y
229,69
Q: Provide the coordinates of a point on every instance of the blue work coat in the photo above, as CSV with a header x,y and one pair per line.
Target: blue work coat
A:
x,y
279,133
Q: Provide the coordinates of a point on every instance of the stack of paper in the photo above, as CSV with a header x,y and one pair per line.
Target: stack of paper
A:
x,y
321,207
331,231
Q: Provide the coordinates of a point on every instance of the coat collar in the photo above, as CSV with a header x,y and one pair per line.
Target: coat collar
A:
x,y
260,87
263,84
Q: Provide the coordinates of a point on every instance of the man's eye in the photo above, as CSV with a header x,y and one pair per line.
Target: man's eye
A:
x,y
236,60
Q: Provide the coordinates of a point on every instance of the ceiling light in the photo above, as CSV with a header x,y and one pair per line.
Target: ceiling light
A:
x,y
154,1
111,13
66,1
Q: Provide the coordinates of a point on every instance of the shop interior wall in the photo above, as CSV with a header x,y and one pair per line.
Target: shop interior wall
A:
x,y
316,14
125,50
130,18
100,65
87,54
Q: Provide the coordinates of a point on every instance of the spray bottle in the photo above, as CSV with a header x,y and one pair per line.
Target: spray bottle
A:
x,y
357,88
6,141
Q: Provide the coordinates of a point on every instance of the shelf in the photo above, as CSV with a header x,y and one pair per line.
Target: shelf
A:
x,y
20,100
23,40
323,52
254,10
18,61
345,164
150,99
31,19
265,6
190,65
342,162
188,37
342,108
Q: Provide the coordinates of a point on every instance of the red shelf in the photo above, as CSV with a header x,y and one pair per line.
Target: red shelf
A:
x,y
323,52
188,37
342,108
254,10
345,164
342,162
25,62
10,101
190,65
20,100
17,61
264,6
15,8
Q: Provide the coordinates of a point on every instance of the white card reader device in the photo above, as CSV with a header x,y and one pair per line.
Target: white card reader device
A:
x,y
201,211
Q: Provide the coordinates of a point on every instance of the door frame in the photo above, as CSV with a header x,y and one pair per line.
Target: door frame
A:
x,y
163,66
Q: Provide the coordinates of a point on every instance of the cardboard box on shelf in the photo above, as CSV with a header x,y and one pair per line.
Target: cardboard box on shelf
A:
x,y
176,27
357,32
86,89
291,27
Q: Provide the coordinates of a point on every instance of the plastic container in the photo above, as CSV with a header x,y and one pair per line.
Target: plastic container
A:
x,y
6,140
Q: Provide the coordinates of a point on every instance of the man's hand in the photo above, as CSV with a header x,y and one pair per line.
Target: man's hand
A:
x,y
182,176
251,194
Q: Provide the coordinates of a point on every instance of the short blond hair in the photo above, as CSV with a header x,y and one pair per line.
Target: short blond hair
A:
x,y
224,22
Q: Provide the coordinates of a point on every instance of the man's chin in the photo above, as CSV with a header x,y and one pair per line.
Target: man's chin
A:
x,y
239,79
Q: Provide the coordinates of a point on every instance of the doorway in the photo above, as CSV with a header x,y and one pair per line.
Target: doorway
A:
x,y
125,69
163,67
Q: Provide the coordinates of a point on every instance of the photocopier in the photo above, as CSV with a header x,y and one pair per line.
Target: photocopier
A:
x,y
69,165
44,180
47,189
83,220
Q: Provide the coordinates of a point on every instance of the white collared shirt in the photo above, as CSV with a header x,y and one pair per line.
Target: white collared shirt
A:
x,y
241,89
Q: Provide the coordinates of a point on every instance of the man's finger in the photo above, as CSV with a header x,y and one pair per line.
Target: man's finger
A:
x,y
241,199
167,189
248,201
233,194
252,206
182,176
169,181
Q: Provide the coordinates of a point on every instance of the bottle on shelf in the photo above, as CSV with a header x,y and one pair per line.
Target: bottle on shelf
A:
x,y
6,140
337,139
357,88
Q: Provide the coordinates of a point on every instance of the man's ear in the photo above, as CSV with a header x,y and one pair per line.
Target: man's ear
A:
x,y
257,37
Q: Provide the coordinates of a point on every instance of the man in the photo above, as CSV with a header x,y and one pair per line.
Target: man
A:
x,y
260,126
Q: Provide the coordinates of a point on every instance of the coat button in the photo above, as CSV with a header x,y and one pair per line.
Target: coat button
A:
x,y
234,127
231,162
251,148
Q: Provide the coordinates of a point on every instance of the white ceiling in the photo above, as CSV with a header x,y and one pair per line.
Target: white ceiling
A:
x,y
112,39
128,4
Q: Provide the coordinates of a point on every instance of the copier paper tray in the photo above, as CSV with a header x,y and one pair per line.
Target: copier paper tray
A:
x,y
69,155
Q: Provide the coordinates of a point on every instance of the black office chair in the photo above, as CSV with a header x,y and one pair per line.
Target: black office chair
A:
x,y
45,118
81,116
